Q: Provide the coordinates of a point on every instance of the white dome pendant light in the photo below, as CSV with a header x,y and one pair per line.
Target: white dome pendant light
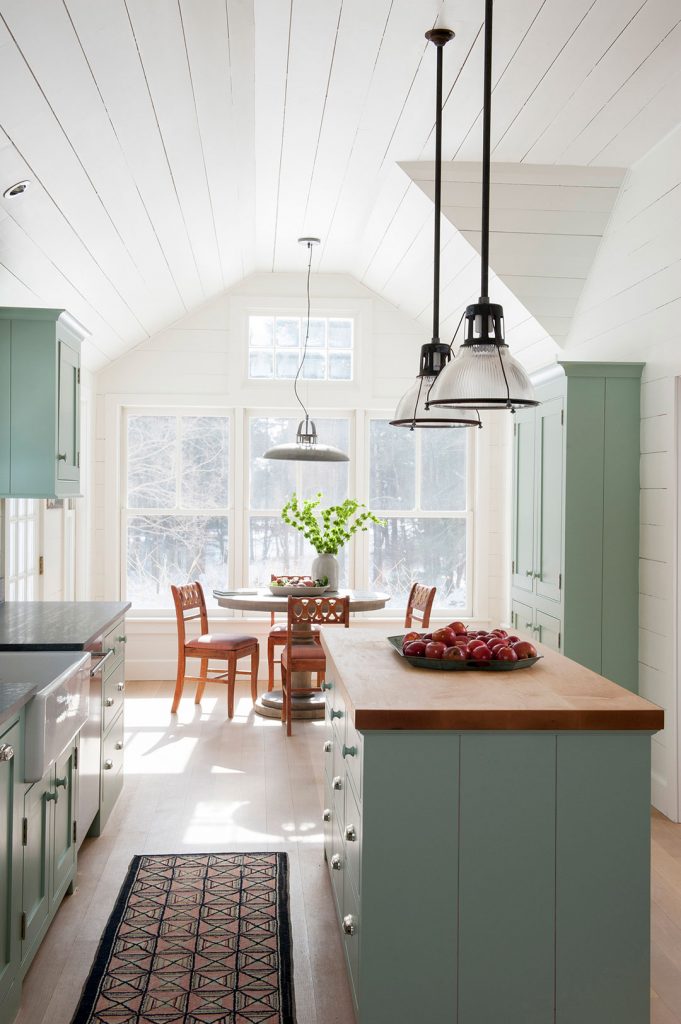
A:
x,y
412,410
484,374
306,447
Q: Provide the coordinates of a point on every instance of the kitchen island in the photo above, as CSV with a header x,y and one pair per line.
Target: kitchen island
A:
x,y
488,839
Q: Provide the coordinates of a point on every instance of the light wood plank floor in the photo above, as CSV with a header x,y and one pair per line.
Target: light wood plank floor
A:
x,y
200,783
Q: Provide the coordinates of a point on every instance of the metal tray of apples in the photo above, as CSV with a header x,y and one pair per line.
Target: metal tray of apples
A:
x,y
453,648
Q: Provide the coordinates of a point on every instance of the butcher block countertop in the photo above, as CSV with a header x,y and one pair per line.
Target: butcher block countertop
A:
x,y
385,692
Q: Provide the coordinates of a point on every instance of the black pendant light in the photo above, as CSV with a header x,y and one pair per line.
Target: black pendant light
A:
x,y
484,374
306,447
412,410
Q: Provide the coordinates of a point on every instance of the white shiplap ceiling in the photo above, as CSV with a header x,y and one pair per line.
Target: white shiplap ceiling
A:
x,y
176,145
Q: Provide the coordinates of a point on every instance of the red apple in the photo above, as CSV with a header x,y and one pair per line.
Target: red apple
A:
x,y
513,639
426,636
524,649
416,649
455,653
505,654
481,653
458,627
435,649
408,637
500,632
472,644
445,636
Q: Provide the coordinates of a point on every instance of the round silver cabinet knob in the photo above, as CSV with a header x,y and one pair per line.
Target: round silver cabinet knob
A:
x,y
351,833
336,862
6,752
121,687
326,816
349,924
108,764
109,702
327,746
337,782
118,745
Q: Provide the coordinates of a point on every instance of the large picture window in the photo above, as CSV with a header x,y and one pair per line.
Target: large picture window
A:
x,y
419,483
176,504
273,547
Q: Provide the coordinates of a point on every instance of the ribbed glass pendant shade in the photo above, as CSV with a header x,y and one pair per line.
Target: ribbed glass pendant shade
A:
x,y
412,412
483,377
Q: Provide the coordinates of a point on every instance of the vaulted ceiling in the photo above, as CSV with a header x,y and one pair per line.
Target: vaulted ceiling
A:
x,y
174,146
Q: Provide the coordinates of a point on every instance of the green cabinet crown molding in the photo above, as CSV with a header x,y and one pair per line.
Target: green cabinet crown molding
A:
x,y
574,369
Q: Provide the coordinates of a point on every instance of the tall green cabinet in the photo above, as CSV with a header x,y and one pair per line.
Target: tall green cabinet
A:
x,y
39,403
574,582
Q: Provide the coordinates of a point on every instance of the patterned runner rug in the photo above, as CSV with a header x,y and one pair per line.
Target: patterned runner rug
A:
x,y
196,939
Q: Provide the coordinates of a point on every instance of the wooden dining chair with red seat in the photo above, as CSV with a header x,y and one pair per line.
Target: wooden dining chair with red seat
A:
x,y
190,604
419,605
303,653
278,633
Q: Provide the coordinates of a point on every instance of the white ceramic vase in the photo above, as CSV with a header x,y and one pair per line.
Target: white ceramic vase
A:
x,y
326,565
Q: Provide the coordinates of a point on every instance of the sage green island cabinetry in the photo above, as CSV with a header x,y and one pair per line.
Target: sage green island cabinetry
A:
x,y
487,837
39,403
11,811
575,541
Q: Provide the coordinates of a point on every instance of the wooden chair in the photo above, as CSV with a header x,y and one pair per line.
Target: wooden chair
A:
x,y
190,604
419,605
278,633
303,653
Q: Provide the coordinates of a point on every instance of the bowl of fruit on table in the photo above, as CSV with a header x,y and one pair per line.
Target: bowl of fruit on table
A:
x,y
454,647
298,586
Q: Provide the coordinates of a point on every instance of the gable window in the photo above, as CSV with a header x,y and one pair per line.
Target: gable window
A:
x,y
273,547
176,521
419,483
275,346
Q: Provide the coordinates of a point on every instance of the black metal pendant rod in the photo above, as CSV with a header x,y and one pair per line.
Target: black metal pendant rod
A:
x,y
440,37
486,133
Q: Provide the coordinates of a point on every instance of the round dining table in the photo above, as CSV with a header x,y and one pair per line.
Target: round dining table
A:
x,y
269,704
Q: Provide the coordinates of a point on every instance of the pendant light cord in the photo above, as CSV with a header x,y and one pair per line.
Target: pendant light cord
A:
x,y
486,148
307,335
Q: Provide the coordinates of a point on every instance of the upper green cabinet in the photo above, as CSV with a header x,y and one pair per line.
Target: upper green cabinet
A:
x,y
39,403
575,516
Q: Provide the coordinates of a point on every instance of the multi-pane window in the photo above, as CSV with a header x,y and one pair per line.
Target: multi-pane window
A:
x,y
273,547
21,556
176,523
418,482
275,347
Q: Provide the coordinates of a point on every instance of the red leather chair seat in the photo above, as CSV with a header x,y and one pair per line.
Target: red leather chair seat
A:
x,y
304,656
213,642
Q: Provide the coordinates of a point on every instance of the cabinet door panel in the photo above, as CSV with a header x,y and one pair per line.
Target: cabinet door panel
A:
x,y
522,617
64,810
68,401
549,630
549,532
5,336
36,882
523,500
10,862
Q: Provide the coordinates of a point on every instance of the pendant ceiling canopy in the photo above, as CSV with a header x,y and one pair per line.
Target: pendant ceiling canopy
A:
x,y
484,374
412,409
306,447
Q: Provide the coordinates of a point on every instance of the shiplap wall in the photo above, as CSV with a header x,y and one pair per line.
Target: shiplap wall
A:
x,y
630,309
200,361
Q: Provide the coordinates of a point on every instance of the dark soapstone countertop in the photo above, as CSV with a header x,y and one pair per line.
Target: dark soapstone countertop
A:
x,y
56,625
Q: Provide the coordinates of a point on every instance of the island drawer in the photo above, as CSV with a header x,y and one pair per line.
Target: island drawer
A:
x,y
112,767
352,836
114,640
350,928
337,868
113,692
352,754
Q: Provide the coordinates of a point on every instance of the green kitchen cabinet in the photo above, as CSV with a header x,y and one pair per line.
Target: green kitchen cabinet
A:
x,y
576,516
49,856
10,863
40,403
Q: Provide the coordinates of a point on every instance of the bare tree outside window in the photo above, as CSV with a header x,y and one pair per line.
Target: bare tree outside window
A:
x,y
418,482
177,525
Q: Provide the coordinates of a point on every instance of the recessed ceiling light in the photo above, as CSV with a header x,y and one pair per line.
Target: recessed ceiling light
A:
x,y
16,190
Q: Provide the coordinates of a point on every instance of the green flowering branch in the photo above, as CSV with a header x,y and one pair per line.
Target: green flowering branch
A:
x,y
327,529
